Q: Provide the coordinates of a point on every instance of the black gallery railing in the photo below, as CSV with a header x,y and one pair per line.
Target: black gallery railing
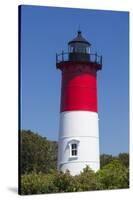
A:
x,y
64,56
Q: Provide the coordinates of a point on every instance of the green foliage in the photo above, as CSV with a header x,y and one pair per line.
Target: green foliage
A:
x,y
124,158
86,181
106,159
37,183
113,176
64,182
39,174
57,182
37,153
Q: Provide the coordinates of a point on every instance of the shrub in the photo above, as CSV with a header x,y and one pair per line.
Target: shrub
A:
x,y
124,158
37,153
113,176
64,182
86,181
37,183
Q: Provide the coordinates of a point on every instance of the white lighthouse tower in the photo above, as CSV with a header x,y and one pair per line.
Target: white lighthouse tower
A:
x,y
79,130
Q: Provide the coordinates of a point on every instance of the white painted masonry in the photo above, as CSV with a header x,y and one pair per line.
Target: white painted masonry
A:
x,y
81,128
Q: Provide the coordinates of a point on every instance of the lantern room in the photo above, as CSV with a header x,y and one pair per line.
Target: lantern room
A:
x,y
79,48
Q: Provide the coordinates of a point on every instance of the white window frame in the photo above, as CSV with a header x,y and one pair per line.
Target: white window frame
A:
x,y
70,148
74,149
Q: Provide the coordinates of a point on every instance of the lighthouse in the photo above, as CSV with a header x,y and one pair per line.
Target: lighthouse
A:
x,y
78,144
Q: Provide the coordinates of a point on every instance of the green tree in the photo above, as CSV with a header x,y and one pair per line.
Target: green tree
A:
x,y
86,181
105,159
37,183
124,158
37,153
113,176
38,161
65,182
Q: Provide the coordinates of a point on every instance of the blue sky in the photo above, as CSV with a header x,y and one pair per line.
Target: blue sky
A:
x,y
45,32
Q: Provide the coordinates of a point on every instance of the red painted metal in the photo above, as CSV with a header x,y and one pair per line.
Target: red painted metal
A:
x,y
79,87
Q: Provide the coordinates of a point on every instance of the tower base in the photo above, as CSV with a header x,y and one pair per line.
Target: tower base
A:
x,y
81,129
76,168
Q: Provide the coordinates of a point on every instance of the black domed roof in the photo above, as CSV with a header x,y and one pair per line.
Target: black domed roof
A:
x,y
79,38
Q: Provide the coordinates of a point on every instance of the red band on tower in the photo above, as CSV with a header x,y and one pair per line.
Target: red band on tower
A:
x,y
79,87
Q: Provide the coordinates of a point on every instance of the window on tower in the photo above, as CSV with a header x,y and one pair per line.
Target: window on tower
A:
x,y
74,149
